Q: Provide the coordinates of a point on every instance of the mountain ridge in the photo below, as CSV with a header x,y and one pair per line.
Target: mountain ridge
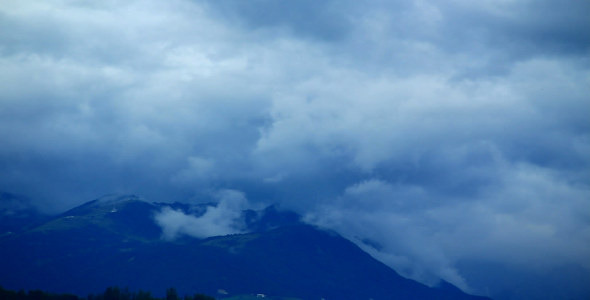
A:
x,y
93,246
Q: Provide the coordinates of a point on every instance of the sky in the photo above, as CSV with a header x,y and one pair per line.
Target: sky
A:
x,y
449,139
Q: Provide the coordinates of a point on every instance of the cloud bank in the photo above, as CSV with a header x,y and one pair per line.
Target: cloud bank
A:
x,y
440,137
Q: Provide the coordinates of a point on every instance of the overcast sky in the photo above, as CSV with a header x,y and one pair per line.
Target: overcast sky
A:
x,y
450,139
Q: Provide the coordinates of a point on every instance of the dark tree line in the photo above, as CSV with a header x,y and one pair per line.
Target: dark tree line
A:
x,y
111,293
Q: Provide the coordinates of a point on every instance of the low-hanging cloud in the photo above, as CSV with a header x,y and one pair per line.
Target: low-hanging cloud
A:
x,y
439,137
222,219
528,217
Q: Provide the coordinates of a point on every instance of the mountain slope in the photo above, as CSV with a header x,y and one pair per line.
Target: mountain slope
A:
x,y
17,214
116,242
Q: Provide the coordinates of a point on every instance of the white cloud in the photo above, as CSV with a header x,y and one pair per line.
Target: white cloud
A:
x,y
223,219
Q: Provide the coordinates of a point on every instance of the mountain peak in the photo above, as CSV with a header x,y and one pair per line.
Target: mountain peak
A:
x,y
114,199
115,240
105,204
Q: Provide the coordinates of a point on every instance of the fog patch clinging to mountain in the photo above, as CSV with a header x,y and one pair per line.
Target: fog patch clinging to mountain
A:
x,y
222,219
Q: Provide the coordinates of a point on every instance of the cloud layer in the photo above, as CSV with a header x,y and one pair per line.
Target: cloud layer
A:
x,y
439,137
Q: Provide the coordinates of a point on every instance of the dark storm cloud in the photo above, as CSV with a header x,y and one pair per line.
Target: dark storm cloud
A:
x,y
451,136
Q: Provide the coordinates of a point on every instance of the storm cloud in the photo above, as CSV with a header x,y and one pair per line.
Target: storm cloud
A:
x,y
438,137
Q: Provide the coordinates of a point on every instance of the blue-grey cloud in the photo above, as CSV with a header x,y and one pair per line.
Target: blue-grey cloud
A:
x,y
326,20
439,137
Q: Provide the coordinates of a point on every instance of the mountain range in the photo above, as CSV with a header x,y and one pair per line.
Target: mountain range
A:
x,y
115,241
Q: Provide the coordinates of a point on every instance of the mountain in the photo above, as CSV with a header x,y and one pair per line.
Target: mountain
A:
x,y
115,241
17,214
